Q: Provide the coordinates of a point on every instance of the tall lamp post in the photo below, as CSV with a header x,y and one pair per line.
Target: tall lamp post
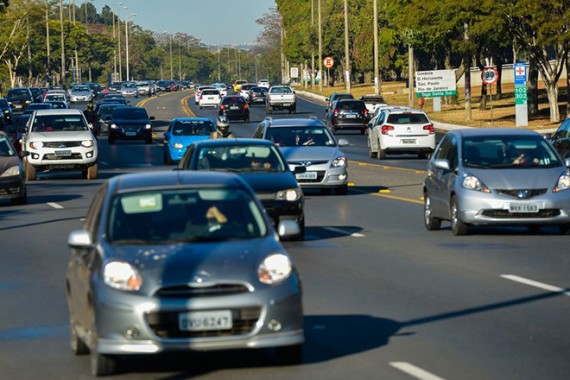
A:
x,y
119,42
320,47
346,49
171,63
127,42
62,43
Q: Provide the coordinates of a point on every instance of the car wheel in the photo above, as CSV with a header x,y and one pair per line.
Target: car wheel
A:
x,y
102,365
371,153
432,223
457,226
565,229
111,140
381,155
30,172
290,355
20,200
342,190
78,346
362,130
91,172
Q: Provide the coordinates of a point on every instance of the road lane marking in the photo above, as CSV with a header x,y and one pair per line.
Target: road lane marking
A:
x,y
185,108
410,200
344,232
54,205
414,371
536,284
386,167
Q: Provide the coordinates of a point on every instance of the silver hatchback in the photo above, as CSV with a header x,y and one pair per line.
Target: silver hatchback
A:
x,y
180,261
496,177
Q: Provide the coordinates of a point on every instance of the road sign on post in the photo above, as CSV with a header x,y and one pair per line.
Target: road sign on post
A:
x,y
436,83
521,99
328,62
489,75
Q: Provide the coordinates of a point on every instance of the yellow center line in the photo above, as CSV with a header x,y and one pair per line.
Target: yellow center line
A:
x,y
386,167
410,200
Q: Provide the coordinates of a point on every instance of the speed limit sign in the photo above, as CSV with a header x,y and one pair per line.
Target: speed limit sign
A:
x,y
328,62
489,75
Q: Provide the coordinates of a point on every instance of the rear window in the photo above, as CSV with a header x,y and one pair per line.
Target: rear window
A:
x,y
408,118
349,105
281,90
233,100
210,92
19,94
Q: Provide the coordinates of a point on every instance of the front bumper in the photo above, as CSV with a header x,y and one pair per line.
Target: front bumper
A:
x,y
326,177
50,157
119,133
12,187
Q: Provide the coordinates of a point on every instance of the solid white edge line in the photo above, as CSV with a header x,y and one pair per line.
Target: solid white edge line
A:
x,y
414,371
54,205
536,284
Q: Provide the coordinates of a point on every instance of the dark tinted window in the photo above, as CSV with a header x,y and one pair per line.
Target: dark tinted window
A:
x,y
6,148
408,118
19,94
130,113
233,100
295,136
210,92
192,127
356,105
3,103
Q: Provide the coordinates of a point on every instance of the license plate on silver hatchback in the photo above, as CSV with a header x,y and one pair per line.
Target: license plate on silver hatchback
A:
x,y
520,207
205,320
306,175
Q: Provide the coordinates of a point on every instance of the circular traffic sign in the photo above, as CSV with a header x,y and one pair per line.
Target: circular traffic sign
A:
x,y
489,75
328,62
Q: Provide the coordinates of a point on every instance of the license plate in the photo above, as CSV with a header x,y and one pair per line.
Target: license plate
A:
x,y
234,107
286,104
63,153
130,133
408,141
350,116
17,106
523,207
306,175
205,320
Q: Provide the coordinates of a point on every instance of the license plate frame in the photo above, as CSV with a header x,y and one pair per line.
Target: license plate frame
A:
x,y
408,141
130,134
306,175
63,153
523,207
205,320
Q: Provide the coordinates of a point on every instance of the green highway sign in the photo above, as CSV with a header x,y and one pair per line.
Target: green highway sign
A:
x,y
436,94
435,83
520,94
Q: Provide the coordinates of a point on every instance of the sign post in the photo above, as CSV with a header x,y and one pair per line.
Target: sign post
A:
x,y
435,84
328,62
521,96
489,76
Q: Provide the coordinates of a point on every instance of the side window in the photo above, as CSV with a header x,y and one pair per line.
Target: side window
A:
x,y
381,118
452,153
259,131
563,130
444,146
185,161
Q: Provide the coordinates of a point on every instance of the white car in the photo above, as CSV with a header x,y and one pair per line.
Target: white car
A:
x,y
60,139
209,98
263,83
129,90
401,131
199,92
80,94
222,88
244,90
57,96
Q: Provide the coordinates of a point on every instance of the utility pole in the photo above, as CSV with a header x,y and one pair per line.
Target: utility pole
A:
x,y
283,75
320,48
179,63
346,50
467,75
171,63
62,79
114,77
47,37
313,50
410,75
119,44
376,66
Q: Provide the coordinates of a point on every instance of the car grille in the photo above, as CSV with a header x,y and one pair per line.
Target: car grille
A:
x,y
304,162
201,291
54,157
165,324
62,144
130,128
505,214
9,190
522,194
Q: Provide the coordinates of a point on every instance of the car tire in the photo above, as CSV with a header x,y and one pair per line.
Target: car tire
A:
x,y
362,131
371,153
77,345
458,228
565,229
268,110
102,365
432,223
91,172
148,140
31,174
246,120
289,355
381,155
167,158
111,140
20,200
341,190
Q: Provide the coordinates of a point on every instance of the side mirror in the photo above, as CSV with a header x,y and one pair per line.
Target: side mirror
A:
x,y
79,239
343,142
441,163
152,118
288,228
549,136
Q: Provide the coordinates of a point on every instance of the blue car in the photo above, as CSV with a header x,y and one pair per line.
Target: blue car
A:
x,y
182,132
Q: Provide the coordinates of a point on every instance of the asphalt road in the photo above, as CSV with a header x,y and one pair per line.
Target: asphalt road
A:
x,y
384,298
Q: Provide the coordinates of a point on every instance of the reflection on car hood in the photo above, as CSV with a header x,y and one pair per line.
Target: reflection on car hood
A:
x,y
61,136
8,162
130,121
187,140
179,264
315,153
517,178
265,182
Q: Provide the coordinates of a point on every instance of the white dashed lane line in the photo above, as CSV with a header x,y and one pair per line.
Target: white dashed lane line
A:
x,y
536,284
414,371
54,205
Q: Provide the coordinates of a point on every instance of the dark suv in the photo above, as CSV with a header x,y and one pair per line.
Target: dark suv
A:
x,y
348,114
234,107
6,111
130,123
19,98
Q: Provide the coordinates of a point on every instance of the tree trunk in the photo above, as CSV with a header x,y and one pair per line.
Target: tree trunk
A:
x,y
499,64
568,86
532,87
552,91
483,103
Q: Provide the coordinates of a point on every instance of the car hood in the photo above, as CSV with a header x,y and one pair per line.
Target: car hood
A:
x,y
8,162
130,121
314,153
512,179
61,136
179,264
265,182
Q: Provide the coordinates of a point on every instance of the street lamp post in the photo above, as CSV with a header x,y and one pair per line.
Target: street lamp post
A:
x,y
376,68
171,65
119,43
346,49
127,43
62,43
320,48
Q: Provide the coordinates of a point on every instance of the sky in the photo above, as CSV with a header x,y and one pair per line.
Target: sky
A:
x,y
214,22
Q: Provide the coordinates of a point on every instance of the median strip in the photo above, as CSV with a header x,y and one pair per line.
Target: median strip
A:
x,y
536,284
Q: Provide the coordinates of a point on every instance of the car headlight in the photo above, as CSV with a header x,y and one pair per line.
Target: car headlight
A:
x,y
339,162
88,143
472,183
178,145
122,276
148,126
113,126
13,171
274,268
290,195
562,184
36,144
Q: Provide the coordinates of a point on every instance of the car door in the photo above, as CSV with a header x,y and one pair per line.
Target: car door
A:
x,y
561,140
441,181
374,136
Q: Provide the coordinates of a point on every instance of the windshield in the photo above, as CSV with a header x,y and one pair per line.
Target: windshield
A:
x,y
184,215
493,152
108,109
256,158
130,113
6,149
58,123
55,97
81,89
193,127
18,95
304,136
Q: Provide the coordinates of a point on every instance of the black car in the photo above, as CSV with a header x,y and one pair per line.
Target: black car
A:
x,y
560,140
130,123
115,88
12,179
111,98
104,112
234,107
337,96
19,98
256,95
6,111
261,164
348,114
36,106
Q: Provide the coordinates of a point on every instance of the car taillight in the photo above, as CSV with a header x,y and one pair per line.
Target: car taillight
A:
x,y
245,106
429,128
222,107
201,97
335,113
365,112
386,128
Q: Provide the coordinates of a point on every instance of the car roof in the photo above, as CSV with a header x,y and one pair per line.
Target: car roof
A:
x,y
499,132
234,142
174,178
295,122
405,110
60,111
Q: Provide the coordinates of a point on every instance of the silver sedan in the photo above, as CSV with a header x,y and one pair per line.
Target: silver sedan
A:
x,y
496,177
181,261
